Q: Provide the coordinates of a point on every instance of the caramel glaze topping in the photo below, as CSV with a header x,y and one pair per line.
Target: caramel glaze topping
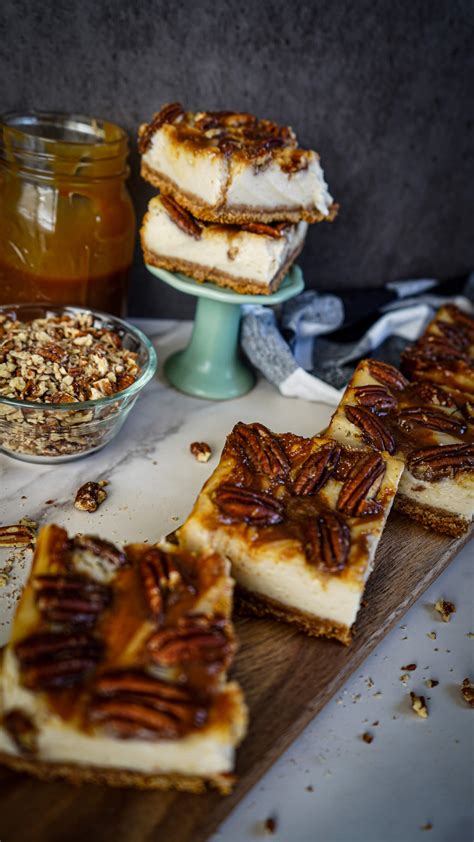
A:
x,y
228,133
276,491
130,656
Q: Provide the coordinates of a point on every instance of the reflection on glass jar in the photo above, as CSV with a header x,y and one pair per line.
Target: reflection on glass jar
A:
x,y
67,223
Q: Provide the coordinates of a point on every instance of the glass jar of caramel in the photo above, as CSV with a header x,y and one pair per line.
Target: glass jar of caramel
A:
x,y
67,224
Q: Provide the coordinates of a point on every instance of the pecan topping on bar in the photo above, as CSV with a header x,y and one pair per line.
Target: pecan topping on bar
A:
x,y
22,730
433,349
347,460
442,422
363,479
181,217
468,411
434,463
193,639
454,334
54,660
160,575
132,704
373,431
70,600
328,541
387,374
430,393
261,448
100,550
167,114
316,470
375,398
461,319
243,504
276,232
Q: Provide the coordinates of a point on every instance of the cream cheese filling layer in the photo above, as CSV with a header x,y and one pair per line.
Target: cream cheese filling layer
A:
x,y
207,752
237,253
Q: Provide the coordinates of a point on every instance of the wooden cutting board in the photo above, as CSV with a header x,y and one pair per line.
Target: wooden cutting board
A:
x,y
287,679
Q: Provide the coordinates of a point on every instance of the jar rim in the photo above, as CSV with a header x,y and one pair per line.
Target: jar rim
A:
x,y
77,129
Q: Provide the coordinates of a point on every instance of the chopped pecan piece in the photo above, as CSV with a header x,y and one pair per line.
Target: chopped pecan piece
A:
x,y
376,398
17,535
54,660
419,705
328,542
265,230
201,451
354,497
387,374
168,114
446,609
132,704
242,504
181,217
434,463
194,639
160,575
467,691
70,600
432,419
261,448
316,470
373,430
22,730
90,495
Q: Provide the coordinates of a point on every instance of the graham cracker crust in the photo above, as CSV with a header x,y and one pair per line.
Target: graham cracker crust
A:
x,y
238,215
203,273
263,606
436,519
99,776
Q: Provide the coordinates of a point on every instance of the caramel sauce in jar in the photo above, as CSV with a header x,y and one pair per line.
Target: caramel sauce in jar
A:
x,y
67,224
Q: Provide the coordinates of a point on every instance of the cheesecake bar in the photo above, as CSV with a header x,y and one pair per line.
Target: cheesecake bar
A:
x,y
300,520
253,258
426,426
230,167
116,668
445,352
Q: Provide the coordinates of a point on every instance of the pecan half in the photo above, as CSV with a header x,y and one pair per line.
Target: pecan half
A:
x,y
70,600
17,535
424,392
160,575
328,540
131,703
387,374
96,557
261,448
194,639
167,114
375,398
354,497
54,660
408,419
434,463
181,217
374,432
242,504
462,319
454,334
264,230
316,470
434,349
22,730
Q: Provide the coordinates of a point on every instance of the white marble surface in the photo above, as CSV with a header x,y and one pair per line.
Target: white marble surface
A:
x,y
330,786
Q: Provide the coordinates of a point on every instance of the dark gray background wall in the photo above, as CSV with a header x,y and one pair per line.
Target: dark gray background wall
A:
x,y
381,88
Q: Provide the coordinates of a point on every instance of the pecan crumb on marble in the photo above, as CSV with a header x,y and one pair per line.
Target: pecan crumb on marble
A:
x,y
90,495
427,826
270,825
367,737
419,705
467,691
409,667
445,608
432,635
432,682
201,451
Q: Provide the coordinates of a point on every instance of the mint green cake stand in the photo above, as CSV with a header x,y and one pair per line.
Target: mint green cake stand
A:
x,y
211,365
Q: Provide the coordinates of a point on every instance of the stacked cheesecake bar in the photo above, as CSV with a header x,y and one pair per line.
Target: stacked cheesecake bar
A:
x,y
236,196
116,667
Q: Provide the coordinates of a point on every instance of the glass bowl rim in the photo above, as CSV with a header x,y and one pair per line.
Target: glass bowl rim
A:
x,y
146,374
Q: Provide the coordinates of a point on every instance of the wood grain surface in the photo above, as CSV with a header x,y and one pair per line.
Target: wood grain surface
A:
x,y
287,679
